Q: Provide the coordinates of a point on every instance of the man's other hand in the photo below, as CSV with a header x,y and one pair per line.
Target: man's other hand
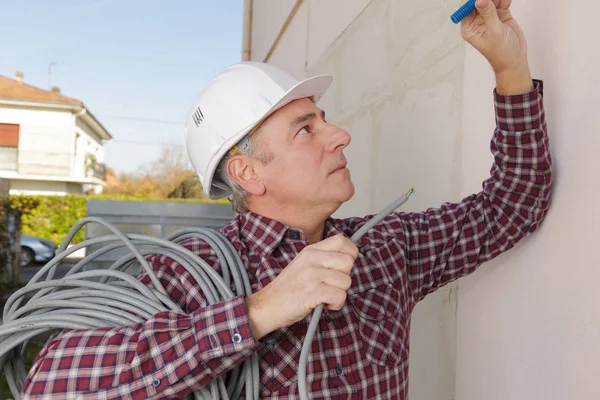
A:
x,y
492,30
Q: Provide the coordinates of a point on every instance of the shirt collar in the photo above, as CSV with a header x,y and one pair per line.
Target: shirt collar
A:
x,y
263,235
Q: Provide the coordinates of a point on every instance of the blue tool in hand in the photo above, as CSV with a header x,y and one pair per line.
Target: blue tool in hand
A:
x,y
462,12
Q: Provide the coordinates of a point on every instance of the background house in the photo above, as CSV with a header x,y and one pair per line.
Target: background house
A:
x,y
49,143
419,105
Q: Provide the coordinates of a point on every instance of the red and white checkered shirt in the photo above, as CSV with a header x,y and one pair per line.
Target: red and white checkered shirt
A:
x,y
359,352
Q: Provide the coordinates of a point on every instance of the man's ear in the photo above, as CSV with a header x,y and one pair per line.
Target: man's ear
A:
x,y
241,169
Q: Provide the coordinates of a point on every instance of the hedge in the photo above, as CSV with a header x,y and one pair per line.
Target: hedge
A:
x,y
52,217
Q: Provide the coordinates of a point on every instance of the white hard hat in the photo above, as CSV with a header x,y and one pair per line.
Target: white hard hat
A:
x,y
231,105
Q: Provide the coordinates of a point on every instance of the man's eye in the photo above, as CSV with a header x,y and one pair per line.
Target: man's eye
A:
x,y
303,131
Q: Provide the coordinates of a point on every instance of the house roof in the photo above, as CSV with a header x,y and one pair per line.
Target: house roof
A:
x,y
15,90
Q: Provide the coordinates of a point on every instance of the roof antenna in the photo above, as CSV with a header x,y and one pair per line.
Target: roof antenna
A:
x,y
50,64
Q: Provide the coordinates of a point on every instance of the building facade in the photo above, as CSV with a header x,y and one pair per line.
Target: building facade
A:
x,y
49,143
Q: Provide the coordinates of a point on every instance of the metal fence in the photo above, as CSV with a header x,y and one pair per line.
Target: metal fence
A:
x,y
155,219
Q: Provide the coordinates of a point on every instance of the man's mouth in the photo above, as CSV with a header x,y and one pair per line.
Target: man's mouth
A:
x,y
340,167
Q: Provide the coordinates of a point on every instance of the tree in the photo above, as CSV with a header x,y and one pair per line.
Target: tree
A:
x,y
169,176
189,188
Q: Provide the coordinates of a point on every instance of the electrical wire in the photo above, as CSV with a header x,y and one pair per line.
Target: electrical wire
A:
x,y
314,322
99,298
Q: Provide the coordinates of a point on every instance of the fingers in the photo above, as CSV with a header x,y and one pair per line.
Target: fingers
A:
x,y
504,15
504,4
501,4
331,260
488,11
320,274
336,279
468,20
339,243
333,298
502,7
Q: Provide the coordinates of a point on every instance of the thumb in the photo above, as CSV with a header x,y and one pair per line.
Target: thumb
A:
x,y
487,10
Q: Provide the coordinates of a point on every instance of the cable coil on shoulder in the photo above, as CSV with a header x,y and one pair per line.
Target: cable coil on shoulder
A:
x,y
114,298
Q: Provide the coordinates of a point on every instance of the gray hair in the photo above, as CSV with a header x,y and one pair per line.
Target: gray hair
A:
x,y
239,197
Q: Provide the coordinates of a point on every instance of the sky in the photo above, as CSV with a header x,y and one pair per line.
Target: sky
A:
x,y
137,65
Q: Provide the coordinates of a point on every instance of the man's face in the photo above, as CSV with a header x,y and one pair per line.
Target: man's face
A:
x,y
306,164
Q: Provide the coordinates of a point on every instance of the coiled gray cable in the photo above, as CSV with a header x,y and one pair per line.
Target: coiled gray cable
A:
x,y
114,298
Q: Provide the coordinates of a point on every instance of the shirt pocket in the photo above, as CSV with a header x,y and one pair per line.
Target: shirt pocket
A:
x,y
381,324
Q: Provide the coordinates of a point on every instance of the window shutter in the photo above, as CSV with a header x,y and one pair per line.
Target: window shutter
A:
x,y
9,135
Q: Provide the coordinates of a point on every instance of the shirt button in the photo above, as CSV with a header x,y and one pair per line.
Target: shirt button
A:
x,y
295,235
156,382
339,369
237,338
327,318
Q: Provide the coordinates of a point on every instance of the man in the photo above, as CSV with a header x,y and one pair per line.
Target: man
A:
x,y
257,135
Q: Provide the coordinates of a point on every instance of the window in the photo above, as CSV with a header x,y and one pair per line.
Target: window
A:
x,y
76,143
9,147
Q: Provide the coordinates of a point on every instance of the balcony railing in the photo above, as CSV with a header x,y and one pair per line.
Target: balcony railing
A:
x,y
94,168
48,163
33,162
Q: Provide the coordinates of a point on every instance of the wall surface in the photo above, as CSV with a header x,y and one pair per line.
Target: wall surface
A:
x,y
529,322
53,145
45,140
397,89
86,142
420,108
33,187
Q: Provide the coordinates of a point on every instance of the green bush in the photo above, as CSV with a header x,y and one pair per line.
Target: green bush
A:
x,y
52,217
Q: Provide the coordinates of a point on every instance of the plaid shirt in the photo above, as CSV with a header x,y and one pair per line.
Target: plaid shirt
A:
x,y
360,351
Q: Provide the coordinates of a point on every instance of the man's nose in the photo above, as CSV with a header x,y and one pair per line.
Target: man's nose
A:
x,y
338,139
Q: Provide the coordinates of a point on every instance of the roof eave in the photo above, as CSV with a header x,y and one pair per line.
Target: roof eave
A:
x,y
87,116
41,104
89,119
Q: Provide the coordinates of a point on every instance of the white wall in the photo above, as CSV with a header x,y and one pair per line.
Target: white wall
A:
x,y
93,143
87,142
419,107
395,92
267,18
46,149
529,323
398,71
29,187
45,140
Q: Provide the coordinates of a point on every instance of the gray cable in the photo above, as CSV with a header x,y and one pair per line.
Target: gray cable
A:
x,y
114,298
314,322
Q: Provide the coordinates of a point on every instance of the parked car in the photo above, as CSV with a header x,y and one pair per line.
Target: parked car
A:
x,y
36,250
